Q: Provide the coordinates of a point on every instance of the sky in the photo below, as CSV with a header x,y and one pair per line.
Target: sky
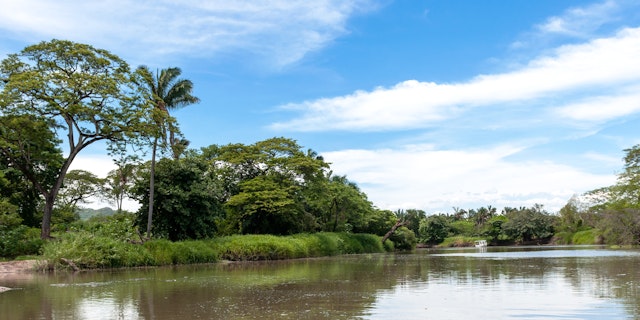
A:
x,y
425,104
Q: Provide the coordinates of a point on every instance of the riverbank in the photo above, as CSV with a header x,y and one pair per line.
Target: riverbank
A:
x,y
83,250
17,267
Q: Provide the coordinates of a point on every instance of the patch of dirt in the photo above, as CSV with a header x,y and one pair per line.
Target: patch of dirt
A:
x,y
18,266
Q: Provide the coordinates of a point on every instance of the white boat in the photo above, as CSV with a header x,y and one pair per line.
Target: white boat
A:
x,y
480,243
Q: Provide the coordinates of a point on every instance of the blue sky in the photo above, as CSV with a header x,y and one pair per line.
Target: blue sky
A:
x,y
424,104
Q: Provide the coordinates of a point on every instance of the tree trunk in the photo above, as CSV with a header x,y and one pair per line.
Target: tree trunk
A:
x,y
50,197
45,232
393,229
152,187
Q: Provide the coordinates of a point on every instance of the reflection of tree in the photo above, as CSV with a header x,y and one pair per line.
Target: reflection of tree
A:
x,y
342,287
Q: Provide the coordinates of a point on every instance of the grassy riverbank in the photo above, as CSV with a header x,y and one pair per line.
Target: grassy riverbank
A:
x,y
87,251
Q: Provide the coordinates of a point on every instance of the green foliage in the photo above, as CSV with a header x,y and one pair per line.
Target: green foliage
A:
x,y
434,229
380,222
620,226
493,229
339,205
18,195
89,251
8,214
118,183
83,93
459,241
412,217
261,247
187,204
404,239
77,188
19,241
528,224
269,247
615,209
265,205
165,252
463,227
120,226
591,236
274,187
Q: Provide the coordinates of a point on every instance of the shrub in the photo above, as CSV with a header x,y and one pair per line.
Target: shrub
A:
x,y
269,247
86,250
459,241
463,228
433,229
18,241
591,236
404,239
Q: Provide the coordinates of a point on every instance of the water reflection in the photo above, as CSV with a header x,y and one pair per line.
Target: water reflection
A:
x,y
575,283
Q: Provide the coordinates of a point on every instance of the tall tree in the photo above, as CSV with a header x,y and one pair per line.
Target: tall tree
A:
x,y
81,92
264,184
167,92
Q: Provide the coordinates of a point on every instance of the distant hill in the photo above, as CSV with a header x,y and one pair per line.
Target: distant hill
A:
x,y
87,213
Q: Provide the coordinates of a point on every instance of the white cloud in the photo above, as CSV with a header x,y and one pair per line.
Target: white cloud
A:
x,y
279,31
601,108
581,21
599,64
437,180
100,166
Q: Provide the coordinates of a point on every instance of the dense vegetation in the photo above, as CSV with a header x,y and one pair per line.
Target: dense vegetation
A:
x,y
272,199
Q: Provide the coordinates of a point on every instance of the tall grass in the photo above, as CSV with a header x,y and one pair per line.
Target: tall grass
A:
x,y
88,251
459,241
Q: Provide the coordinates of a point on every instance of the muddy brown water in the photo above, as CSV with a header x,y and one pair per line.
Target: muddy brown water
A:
x,y
493,283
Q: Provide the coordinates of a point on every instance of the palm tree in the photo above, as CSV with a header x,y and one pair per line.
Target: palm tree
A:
x,y
167,92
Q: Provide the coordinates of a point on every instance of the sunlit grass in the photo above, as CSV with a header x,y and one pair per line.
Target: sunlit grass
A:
x,y
87,251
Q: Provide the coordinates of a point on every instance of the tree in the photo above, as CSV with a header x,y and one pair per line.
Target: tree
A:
x,y
339,205
74,90
79,187
527,224
117,184
167,92
188,199
265,205
615,209
434,229
266,185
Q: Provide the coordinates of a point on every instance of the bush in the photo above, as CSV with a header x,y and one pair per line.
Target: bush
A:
x,y
591,236
269,247
86,250
459,241
434,229
463,228
563,237
404,239
19,241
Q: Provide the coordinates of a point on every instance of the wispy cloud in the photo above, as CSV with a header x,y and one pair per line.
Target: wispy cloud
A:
x,y
281,32
571,71
601,108
581,21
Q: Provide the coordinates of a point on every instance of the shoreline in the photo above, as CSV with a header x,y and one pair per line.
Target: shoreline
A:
x,y
18,267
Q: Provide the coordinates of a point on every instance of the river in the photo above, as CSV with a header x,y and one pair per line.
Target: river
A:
x,y
492,283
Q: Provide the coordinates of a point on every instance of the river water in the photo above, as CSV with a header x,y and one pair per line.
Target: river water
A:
x,y
493,283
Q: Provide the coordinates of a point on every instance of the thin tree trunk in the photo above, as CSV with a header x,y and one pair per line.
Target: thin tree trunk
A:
x,y
393,229
152,187
45,232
